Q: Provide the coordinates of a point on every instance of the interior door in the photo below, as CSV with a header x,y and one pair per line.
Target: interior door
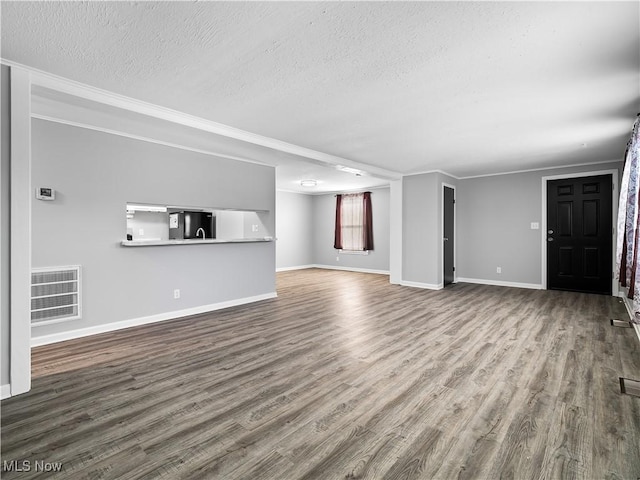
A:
x,y
448,232
579,234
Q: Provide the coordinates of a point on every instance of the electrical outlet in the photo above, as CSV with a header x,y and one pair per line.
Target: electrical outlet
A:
x,y
337,258
141,232
498,269
176,293
254,228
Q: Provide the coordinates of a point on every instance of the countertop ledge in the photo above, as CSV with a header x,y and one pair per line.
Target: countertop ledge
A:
x,y
152,243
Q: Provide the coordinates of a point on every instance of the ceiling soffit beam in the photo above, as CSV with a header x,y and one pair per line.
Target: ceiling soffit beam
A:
x,y
71,87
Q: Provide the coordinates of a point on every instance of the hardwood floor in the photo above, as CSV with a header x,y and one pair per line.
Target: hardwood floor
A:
x,y
343,376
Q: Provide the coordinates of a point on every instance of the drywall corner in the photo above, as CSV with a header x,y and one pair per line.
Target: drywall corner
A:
x,y
5,228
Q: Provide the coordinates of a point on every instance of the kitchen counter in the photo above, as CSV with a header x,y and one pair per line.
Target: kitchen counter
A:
x,y
153,243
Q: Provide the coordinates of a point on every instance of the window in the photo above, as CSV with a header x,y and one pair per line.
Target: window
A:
x,y
354,225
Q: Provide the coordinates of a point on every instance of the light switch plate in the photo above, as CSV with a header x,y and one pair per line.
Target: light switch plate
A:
x,y
45,193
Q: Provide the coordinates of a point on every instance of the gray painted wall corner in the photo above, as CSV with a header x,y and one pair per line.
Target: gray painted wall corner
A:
x,y
422,227
294,230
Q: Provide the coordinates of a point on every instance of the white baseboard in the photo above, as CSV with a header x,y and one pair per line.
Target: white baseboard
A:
x,y
426,286
500,283
351,269
5,391
334,267
628,303
134,322
299,267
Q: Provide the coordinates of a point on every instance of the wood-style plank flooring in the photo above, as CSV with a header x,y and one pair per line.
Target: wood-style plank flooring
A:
x,y
343,376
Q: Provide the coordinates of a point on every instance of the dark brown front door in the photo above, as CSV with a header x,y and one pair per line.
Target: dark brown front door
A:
x,y
579,234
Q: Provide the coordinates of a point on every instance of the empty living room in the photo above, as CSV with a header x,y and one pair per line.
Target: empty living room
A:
x,y
320,240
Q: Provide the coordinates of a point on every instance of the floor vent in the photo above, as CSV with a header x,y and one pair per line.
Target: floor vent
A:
x,y
620,323
55,294
630,387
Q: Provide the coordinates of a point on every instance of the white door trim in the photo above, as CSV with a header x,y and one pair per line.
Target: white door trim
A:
x,y
614,217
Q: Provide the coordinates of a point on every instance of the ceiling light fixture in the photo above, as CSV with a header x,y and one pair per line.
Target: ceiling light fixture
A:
x,y
309,183
355,171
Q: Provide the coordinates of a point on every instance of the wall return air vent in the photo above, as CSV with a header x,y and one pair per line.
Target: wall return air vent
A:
x,y
55,295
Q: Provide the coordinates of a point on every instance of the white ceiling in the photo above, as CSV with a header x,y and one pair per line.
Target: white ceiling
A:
x,y
468,88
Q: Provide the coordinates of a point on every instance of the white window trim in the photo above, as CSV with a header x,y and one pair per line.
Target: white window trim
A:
x,y
354,252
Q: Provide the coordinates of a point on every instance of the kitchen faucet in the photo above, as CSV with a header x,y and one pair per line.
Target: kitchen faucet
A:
x,y
198,233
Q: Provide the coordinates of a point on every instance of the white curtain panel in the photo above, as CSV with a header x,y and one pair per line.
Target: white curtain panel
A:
x,y
352,220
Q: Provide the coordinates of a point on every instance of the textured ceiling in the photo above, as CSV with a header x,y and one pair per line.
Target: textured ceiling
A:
x,y
469,88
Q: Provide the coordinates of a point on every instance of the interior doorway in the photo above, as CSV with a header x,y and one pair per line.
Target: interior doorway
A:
x,y
448,234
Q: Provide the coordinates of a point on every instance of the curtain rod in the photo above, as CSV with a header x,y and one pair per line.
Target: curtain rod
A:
x,y
352,193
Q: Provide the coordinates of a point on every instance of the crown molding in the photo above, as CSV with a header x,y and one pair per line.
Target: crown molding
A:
x,y
71,87
541,169
335,192
513,172
142,138
285,190
427,172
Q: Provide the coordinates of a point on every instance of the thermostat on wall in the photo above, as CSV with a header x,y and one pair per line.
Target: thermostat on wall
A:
x,y
45,193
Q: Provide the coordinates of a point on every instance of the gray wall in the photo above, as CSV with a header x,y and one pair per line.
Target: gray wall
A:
x,y
294,230
5,226
95,175
494,224
324,214
422,227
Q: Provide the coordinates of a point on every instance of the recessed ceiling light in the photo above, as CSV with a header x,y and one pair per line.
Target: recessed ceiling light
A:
x,y
342,168
308,183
